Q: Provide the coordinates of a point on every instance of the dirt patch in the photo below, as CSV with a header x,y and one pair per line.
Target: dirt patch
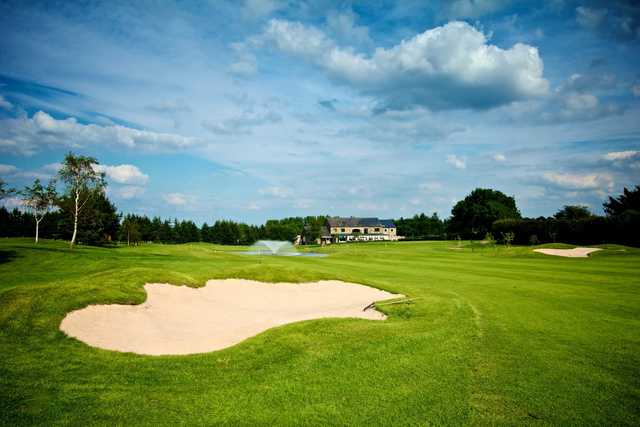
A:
x,y
184,320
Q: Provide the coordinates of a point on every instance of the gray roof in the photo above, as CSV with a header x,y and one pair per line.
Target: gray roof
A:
x,y
360,222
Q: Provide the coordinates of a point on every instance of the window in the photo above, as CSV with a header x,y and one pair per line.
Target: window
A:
x,y
342,230
377,230
366,231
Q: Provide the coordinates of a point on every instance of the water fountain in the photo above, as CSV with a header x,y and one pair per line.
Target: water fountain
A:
x,y
277,248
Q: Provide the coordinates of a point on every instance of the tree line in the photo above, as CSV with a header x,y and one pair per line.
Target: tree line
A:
x,y
83,213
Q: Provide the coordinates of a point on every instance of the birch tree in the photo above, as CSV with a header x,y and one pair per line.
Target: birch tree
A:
x,y
39,200
83,182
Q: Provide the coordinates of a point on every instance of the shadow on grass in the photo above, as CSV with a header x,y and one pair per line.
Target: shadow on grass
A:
x,y
7,256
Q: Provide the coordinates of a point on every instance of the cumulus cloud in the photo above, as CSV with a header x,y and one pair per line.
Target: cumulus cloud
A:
x,y
176,199
123,174
592,181
581,97
456,161
343,27
498,157
452,66
4,104
24,135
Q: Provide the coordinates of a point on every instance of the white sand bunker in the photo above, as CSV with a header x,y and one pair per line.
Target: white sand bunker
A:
x,y
183,320
572,253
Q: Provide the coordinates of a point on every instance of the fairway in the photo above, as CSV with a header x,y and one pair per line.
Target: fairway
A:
x,y
494,335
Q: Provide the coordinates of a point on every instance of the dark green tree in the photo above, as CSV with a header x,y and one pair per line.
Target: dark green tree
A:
x,y
629,200
99,222
84,183
573,212
474,215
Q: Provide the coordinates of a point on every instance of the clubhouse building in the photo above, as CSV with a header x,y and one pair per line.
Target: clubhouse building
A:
x,y
352,229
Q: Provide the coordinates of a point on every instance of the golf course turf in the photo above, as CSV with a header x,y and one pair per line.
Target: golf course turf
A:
x,y
492,335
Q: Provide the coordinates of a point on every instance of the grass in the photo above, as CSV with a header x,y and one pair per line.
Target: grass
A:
x,y
494,336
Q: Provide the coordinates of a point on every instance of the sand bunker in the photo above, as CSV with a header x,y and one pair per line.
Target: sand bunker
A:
x,y
572,253
183,320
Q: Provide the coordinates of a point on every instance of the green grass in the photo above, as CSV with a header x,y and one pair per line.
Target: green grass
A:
x,y
496,336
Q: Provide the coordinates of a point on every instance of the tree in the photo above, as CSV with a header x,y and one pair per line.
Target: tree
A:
x,y
129,230
98,224
83,182
39,200
4,191
629,200
477,212
573,212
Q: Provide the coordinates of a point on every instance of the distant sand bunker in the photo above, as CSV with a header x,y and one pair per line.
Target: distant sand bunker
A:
x,y
572,253
183,320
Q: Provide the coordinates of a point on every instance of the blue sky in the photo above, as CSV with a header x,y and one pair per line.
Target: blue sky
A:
x,y
265,108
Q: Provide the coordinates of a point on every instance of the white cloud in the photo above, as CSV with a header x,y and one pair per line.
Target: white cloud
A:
x,y
622,155
4,104
580,101
498,157
7,169
26,135
12,202
591,181
343,26
279,192
124,174
128,191
176,199
456,161
451,66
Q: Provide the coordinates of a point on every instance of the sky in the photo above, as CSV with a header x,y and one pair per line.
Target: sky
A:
x,y
257,109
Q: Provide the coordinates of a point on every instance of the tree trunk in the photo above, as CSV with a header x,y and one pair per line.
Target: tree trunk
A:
x,y
128,237
75,220
37,227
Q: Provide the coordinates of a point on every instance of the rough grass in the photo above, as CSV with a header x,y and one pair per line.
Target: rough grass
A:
x,y
495,336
